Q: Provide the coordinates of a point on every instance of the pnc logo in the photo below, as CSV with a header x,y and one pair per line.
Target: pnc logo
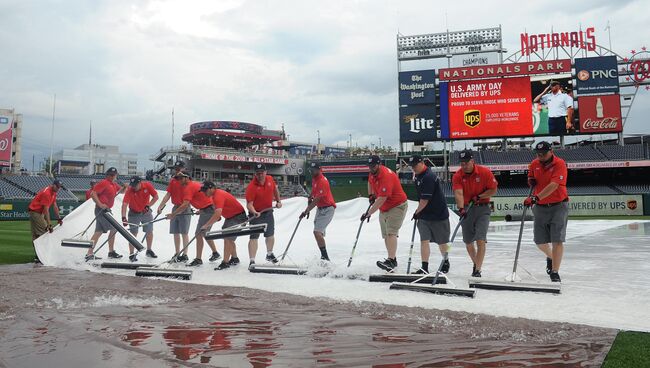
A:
x,y
472,118
583,75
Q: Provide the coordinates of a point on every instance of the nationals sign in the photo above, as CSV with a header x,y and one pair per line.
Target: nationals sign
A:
x,y
502,70
490,108
600,114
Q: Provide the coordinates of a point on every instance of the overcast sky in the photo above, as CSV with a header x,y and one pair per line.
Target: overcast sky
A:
x,y
328,65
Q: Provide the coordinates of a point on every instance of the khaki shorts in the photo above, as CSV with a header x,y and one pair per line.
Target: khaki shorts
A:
x,y
391,220
38,224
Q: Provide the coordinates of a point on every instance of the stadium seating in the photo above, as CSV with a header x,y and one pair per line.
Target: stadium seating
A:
x,y
634,188
33,184
507,157
10,191
580,154
623,153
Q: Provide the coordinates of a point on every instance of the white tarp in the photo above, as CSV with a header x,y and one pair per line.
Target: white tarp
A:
x,y
605,271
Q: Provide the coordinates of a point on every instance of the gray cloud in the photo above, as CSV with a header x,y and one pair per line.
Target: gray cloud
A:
x,y
308,64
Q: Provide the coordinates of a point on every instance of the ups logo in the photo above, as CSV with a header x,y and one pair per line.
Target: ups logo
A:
x,y
472,118
631,204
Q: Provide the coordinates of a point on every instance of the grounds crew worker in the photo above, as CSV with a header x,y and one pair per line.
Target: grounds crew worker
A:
x,y
387,196
192,195
259,197
103,195
560,108
432,214
39,211
179,225
139,198
321,197
226,205
548,174
474,183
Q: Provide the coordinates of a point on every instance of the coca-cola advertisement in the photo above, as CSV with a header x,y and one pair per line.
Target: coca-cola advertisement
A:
x,y
600,114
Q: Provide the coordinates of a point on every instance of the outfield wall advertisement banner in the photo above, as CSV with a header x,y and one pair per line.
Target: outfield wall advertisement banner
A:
x,y
490,108
602,205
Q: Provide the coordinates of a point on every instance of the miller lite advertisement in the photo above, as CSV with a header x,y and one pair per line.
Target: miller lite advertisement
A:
x,y
596,75
600,114
417,123
490,108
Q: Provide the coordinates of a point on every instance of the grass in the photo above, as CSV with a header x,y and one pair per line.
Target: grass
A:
x,y
630,349
15,242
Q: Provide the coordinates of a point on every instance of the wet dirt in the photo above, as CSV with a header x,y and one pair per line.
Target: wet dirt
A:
x,y
52,317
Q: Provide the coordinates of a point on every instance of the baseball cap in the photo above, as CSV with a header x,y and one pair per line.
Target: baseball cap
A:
x,y
207,185
555,83
314,165
374,160
58,183
260,167
465,155
542,146
179,164
181,175
111,171
135,180
415,159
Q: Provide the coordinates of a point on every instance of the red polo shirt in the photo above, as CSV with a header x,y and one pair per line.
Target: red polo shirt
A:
x,y
229,205
197,198
43,200
480,180
320,187
261,195
386,184
106,192
553,172
137,200
176,191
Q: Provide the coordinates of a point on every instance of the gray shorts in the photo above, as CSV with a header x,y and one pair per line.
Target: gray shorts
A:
x,y
101,224
550,223
234,221
434,231
475,226
139,218
180,224
323,218
204,215
265,218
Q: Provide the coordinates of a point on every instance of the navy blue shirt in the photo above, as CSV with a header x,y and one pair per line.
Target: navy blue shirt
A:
x,y
428,187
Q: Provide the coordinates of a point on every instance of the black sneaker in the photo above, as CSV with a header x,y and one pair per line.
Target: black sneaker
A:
x,y
325,258
91,257
195,262
251,264
549,265
445,266
151,254
271,258
420,271
222,266
182,258
114,254
387,264
234,261
133,258
473,268
215,256
555,277
476,273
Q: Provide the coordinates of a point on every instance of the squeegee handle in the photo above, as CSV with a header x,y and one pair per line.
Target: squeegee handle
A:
x,y
357,239
290,240
469,207
521,231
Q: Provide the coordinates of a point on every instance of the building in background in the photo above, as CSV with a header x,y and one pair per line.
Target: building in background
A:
x,y
89,159
11,126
